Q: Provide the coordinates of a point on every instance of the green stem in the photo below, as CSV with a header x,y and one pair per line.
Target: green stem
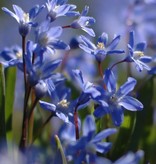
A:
x,y
2,108
32,108
117,63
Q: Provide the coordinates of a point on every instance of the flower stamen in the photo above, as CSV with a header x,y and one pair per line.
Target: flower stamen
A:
x,y
138,54
63,103
100,45
26,17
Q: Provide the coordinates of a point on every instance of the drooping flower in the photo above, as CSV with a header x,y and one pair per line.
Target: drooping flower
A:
x,y
136,54
83,22
102,49
47,38
25,20
89,144
117,100
57,8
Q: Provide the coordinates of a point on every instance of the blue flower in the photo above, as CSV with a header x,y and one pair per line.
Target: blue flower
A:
x,y
46,38
60,106
136,54
88,90
102,49
83,22
89,144
25,20
11,56
39,69
57,8
152,71
118,100
130,158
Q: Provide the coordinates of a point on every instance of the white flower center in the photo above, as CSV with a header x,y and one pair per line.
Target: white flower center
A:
x,y
100,46
90,147
113,99
26,17
19,55
138,54
63,103
56,7
43,39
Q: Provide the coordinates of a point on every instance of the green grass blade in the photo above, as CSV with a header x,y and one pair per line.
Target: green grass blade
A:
x,y
123,138
10,75
2,107
144,121
60,152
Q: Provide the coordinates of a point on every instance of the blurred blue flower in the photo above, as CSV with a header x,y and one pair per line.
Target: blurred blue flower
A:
x,y
83,22
82,61
46,38
152,71
136,54
102,49
57,8
25,20
118,100
39,69
130,158
89,144
11,56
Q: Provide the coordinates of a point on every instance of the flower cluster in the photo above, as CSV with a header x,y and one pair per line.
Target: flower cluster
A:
x,y
86,104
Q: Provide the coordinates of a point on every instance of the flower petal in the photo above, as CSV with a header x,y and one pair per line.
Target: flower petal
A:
x,y
110,80
103,147
88,125
131,103
10,13
127,87
101,111
131,39
104,134
117,116
47,106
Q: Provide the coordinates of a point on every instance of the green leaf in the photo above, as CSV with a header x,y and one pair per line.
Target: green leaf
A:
x,y
10,75
2,107
144,121
120,147
60,151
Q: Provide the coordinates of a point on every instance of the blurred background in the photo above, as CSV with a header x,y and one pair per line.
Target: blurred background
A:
x,y
113,17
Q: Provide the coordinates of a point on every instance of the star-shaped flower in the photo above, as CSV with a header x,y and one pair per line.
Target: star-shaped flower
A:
x,y
90,142
25,20
102,48
57,8
60,106
136,54
83,22
47,38
117,100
